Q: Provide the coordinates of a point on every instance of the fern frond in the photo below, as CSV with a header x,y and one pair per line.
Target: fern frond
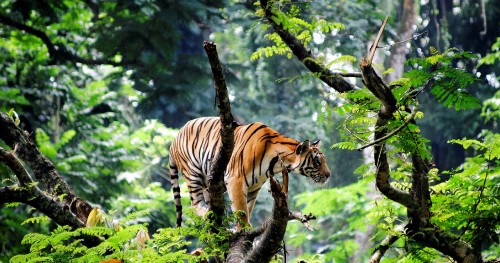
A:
x,y
341,59
36,220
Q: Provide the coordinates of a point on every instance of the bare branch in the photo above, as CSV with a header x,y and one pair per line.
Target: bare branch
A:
x,y
394,132
216,186
377,39
304,219
404,40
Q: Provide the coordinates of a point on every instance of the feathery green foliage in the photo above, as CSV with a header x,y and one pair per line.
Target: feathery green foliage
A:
x,y
447,82
128,243
303,30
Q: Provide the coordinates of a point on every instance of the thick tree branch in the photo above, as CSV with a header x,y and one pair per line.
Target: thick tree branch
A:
x,y
16,166
216,186
50,206
276,228
418,201
333,80
44,173
57,53
384,94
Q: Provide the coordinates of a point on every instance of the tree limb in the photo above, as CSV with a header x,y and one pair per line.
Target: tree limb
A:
x,y
418,201
16,166
392,133
44,172
276,227
304,219
216,186
333,80
57,53
382,248
50,206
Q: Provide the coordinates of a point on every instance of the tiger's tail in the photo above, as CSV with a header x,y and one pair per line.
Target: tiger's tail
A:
x,y
174,180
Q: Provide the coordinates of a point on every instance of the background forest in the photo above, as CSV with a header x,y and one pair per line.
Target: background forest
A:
x,y
104,86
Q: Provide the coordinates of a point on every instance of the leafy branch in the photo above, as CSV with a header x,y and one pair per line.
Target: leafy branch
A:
x,y
57,53
278,23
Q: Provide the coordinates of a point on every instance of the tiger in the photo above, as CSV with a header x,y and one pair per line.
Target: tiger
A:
x,y
259,152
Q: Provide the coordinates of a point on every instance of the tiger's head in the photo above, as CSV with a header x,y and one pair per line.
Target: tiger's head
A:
x,y
310,162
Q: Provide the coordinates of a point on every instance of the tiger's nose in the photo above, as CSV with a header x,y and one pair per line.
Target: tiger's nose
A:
x,y
327,175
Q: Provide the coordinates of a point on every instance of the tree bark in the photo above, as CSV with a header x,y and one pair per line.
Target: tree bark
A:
x,y
216,186
51,194
405,30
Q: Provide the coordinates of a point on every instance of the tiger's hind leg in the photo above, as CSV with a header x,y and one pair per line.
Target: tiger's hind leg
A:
x,y
198,193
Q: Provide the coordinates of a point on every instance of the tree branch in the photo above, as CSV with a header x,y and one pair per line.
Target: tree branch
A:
x,y
382,248
50,206
392,133
333,80
57,53
418,201
276,227
216,186
369,59
43,171
16,166
304,219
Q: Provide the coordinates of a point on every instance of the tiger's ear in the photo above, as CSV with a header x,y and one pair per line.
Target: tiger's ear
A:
x,y
316,144
302,148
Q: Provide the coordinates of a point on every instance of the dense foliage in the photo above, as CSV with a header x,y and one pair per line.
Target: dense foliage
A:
x,y
102,87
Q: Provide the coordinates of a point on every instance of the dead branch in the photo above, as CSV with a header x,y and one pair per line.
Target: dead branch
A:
x,y
304,219
216,186
377,39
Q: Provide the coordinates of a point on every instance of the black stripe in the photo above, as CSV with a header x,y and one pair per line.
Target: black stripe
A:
x,y
272,163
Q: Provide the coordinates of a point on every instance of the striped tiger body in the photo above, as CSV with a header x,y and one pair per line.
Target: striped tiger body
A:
x,y
259,152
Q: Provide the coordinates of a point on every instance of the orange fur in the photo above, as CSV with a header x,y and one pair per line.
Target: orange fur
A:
x,y
259,152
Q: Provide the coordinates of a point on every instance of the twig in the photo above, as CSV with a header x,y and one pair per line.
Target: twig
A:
x,y
382,248
403,41
474,207
304,219
351,74
16,166
394,132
